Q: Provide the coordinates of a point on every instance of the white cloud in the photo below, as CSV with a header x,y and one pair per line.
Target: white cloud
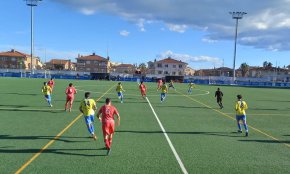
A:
x,y
268,18
188,58
124,33
87,11
140,24
49,53
177,28
208,40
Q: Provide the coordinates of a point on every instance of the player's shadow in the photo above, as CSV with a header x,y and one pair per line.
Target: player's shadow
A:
x,y
63,139
29,110
264,109
274,100
222,134
135,102
186,107
56,151
16,93
267,141
63,100
15,106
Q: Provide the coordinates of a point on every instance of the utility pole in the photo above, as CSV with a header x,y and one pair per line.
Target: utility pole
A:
x,y
236,16
32,4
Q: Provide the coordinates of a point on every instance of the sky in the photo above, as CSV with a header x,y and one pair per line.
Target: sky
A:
x,y
199,32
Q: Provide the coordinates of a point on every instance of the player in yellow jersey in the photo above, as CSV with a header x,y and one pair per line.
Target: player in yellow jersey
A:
x,y
241,107
120,91
88,107
46,90
190,87
164,90
171,85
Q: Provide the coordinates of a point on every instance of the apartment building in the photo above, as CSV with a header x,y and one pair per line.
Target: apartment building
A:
x,y
17,60
124,68
60,64
167,67
93,63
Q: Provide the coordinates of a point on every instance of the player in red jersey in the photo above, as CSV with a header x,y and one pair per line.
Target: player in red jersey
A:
x,y
51,83
159,84
143,89
108,124
70,95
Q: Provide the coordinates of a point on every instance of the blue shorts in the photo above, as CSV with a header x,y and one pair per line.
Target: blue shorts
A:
x,y
120,94
241,117
163,95
89,119
47,97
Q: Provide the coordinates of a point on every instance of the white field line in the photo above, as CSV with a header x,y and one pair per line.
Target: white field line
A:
x,y
168,140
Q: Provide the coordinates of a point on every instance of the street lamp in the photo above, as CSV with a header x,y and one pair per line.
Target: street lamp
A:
x,y
236,16
32,3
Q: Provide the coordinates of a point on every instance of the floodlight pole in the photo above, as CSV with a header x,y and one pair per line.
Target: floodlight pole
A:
x,y
32,3
236,16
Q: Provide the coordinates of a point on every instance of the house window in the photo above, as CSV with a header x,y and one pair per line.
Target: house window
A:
x,y
13,59
180,73
159,72
165,72
88,62
88,69
166,66
180,66
174,66
173,73
159,65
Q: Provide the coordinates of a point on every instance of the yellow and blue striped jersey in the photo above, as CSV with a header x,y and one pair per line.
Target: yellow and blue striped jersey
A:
x,y
241,107
88,106
191,85
119,88
46,90
164,88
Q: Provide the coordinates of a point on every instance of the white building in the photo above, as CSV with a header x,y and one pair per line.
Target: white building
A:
x,y
167,67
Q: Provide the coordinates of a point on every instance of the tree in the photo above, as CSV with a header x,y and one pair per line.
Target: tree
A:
x,y
265,64
270,65
58,67
143,68
245,69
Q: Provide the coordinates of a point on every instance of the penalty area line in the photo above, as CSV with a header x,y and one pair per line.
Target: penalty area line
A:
x,y
168,140
55,138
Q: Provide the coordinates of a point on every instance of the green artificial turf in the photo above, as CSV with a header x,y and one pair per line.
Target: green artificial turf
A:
x,y
204,136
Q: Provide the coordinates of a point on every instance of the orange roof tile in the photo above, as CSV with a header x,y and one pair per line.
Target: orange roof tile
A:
x,y
92,57
170,60
13,53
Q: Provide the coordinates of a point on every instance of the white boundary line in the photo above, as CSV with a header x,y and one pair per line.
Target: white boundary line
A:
x,y
168,140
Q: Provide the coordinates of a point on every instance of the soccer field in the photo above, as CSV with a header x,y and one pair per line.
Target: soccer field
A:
x,y
198,137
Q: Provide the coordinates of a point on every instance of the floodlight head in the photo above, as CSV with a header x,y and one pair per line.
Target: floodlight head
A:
x,y
32,2
237,15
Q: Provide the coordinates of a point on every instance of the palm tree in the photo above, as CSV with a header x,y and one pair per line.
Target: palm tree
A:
x,y
245,69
